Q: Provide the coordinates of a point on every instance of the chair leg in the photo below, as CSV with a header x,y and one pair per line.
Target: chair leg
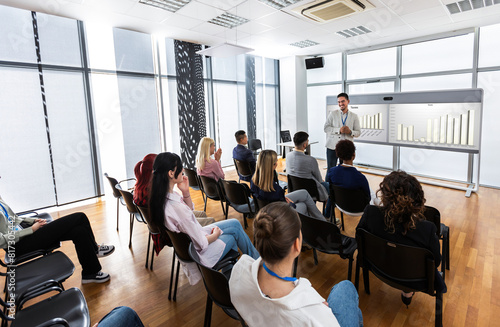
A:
x,y
176,280
448,251
366,280
205,207
147,251
224,211
439,310
245,224
117,211
131,229
342,219
315,256
171,275
349,269
208,312
295,264
356,278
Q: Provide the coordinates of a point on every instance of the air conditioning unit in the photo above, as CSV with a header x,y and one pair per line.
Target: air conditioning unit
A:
x,y
323,11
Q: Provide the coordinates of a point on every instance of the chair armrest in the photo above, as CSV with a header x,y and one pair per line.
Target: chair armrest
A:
x,y
37,290
54,322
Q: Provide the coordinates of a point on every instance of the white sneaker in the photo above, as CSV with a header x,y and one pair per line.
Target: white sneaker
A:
x,y
100,277
105,250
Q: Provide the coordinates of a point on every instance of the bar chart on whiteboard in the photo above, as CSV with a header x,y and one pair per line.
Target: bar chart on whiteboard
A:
x,y
448,125
373,121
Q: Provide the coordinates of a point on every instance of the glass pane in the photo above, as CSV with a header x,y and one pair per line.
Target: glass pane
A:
x,y
317,113
133,51
170,49
331,72
16,35
100,45
139,119
443,82
171,114
374,155
367,88
490,156
361,65
432,163
226,119
240,68
269,70
266,115
59,40
489,43
224,68
69,135
439,55
24,164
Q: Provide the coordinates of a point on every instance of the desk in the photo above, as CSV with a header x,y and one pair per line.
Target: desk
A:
x,y
290,145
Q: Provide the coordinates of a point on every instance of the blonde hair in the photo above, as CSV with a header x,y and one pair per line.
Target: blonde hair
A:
x,y
203,152
264,171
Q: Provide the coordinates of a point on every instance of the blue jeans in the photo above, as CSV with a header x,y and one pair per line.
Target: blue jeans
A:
x,y
328,206
121,317
235,237
344,303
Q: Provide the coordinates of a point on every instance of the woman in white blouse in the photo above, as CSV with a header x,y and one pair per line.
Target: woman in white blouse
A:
x,y
264,293
174,211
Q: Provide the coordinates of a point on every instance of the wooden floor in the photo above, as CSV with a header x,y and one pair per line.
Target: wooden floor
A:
x,y
475,268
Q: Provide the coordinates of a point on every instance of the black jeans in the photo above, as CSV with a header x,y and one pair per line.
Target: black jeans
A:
x,y
331,159
74,227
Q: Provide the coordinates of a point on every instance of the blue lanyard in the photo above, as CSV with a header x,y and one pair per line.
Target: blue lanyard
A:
x,y
6,213
272,273
344,120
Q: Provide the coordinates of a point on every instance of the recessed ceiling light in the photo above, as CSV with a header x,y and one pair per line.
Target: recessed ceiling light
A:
x,y
355,31
170,5
304,44
279,4
228,20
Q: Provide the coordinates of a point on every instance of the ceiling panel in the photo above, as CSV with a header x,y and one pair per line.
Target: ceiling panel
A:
x,y
199,11
181,21
254,28
147,12
252,9
222,4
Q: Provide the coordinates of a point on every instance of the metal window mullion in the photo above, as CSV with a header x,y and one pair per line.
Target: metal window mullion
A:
x,y
159,95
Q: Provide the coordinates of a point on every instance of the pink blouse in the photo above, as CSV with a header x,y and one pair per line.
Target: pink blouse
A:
x,y
179,217
212,169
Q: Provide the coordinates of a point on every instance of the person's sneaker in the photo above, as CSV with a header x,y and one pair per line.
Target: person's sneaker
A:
x,y
105,250
100,277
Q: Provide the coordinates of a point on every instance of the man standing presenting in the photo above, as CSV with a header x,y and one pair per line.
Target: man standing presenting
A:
x,y
340,125
242,153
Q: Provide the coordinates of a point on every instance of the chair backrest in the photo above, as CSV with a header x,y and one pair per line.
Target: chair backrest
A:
x,y
321,234
254,144
113,182
396,264
192,177
285,136
259,203
216,283
129,203
211,188
235,192
298,183
350,200
181,242
432,214
147,217
243,168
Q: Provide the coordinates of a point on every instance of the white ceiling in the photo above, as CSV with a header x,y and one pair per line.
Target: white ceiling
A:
x,y
270,31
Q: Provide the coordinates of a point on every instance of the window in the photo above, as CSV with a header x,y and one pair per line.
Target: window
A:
x,y
360,65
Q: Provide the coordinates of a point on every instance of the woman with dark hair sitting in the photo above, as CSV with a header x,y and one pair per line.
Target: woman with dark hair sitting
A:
x,y
400,219
346,175
263,292
173,211
265,187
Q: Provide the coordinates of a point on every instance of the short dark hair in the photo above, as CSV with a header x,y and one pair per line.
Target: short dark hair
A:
x,y
239,135
343,95
300,137
345,149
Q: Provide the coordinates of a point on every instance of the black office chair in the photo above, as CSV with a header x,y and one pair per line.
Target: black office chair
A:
x,y
112,181
308,184
443,232
255,145
238,197
243,169
217,286
407,268
67,308
259,203
285,137
194,181
135,214
180,242
326,237
348,201
212,191
38,276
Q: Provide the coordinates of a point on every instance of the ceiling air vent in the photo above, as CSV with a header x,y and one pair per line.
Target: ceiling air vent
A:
x,y
323,11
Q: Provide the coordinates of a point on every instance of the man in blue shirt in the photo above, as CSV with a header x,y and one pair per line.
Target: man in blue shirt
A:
x,y
242,153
